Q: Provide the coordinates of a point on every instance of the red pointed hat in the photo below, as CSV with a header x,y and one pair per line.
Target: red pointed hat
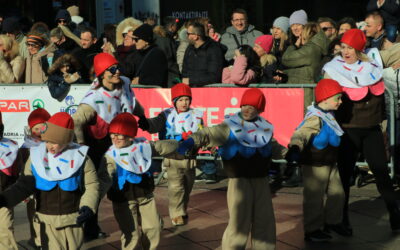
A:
x,y
124,124
180,89
37,116
253,97
326,88
103,61
354,38
59,129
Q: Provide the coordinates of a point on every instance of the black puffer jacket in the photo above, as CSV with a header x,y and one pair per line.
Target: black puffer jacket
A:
x,y
390,10
151,67
203,65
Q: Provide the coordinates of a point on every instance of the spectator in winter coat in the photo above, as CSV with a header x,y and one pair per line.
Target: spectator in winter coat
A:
x,y
183,44
62,74
280,29
11,27
297,20
239,33
203,59
65,42
39,59
151,66
85,54
375,32
328,26
245,69
268,62
166,43
12,66
389,10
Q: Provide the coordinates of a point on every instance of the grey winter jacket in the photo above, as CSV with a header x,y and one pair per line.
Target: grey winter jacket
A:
x,y
248,36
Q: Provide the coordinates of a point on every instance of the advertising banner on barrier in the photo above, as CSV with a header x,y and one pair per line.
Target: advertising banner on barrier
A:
x,y
284,108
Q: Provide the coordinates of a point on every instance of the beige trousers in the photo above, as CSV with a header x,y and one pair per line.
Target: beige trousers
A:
x,y
34,225
323,197
66,238
132,214
250,211
7,240
180,184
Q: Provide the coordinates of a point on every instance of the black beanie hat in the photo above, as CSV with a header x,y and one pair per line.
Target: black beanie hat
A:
x,y
63,14
144,32
11,25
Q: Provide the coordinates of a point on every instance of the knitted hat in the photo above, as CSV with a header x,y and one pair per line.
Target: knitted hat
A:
x,y
63,14
59,129
124,124
253,97
265,41
326,88
298,17
10,25
180,89
35,40
144,32
103,61
354,38
37,116
282,22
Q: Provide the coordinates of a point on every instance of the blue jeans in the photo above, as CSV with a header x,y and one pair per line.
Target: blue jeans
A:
x,y
391,31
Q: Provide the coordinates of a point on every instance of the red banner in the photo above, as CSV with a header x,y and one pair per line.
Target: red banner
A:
x,y
284,107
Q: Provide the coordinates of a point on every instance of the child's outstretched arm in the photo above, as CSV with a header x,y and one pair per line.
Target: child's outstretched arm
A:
x,y
153,125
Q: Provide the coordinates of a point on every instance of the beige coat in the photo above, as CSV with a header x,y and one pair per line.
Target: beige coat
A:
x,y
25,186
34,72
11,71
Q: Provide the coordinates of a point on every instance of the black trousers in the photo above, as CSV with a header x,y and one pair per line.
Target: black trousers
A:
x,y
97,149
370,142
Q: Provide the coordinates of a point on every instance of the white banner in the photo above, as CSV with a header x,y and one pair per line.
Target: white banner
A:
x,y
16,103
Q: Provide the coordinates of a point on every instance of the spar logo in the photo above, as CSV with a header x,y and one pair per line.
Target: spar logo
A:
x,y
14,105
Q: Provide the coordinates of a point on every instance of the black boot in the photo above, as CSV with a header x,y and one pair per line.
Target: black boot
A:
x,y
294,180
317,236
394,218
340,229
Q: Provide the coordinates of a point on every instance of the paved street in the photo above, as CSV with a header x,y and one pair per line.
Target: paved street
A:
x,y
209,215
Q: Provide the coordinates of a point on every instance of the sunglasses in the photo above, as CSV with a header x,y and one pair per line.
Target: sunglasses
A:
x,y
136,39
327,28
117,136
61,21
188,33
113,70
32,45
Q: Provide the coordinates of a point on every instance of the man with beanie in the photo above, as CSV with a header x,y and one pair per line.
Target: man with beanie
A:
x,y
203,59
297,20
245,139
151,66
64,181
125,177
11,163
241,32
177,123
314,145
12,28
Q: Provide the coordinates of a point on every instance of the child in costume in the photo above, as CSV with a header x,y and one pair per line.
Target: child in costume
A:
x,y
10,165
246,146
315,144
177,123
124,172
33,138
64,182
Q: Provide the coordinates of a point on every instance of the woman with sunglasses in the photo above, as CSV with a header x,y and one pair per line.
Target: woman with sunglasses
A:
x,y
109,95
39,58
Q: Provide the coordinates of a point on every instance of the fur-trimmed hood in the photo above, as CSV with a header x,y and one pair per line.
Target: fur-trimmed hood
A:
x,y
66,58
130,23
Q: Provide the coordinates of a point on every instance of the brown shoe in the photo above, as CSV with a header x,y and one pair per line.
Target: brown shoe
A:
x,y
178,221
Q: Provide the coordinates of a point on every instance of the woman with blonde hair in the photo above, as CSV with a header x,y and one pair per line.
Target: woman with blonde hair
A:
x,y
280,29
12,65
